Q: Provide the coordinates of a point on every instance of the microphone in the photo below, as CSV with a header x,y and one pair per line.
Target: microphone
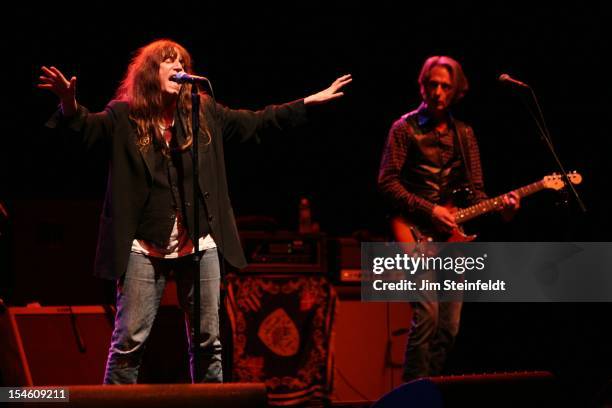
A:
x,y
183,77
509,79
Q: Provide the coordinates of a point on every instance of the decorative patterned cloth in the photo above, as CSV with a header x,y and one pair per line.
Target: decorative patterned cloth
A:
x,y
281,334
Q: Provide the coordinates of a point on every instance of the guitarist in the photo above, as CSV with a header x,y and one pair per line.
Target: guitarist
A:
x,y
429,154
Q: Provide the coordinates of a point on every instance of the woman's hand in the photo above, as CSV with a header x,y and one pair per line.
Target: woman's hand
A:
x,y
331,93
53,80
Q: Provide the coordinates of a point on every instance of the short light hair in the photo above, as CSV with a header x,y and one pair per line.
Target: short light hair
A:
x,y
460,83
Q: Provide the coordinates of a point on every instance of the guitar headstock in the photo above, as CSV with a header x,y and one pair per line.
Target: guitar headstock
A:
x,y
556,182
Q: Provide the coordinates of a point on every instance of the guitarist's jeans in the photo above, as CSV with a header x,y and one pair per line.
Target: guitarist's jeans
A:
x,y
432,334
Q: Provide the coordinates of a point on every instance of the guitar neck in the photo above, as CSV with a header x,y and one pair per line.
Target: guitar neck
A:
x,y
492,204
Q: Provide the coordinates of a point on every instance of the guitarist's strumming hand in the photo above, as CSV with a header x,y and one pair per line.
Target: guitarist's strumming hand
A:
x,y
443,219
511,202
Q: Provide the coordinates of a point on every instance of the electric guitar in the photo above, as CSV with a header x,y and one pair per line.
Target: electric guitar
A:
x,y
407,231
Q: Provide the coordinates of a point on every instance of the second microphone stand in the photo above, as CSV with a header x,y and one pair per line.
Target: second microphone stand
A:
x,y
538,118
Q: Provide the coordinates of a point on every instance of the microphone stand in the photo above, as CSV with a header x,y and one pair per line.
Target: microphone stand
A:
x,y
196,258
545,136
195,128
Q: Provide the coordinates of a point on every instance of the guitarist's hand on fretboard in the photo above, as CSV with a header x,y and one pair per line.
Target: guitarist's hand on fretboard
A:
x,y
511,202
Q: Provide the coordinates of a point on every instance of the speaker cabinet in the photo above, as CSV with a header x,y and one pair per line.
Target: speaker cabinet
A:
x,y
369,343
54,345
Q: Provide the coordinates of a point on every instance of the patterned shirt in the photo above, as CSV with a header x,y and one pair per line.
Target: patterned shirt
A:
x,y
395,154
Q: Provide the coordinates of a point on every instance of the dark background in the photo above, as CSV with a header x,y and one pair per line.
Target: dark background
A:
x,y
260,55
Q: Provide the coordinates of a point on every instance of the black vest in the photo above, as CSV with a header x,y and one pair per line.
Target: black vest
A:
x,y
171,191
426,173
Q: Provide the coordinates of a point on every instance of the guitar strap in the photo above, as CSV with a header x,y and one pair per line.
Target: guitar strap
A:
x,y
461,134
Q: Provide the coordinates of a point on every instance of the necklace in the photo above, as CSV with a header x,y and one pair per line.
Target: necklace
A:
x,y
166,128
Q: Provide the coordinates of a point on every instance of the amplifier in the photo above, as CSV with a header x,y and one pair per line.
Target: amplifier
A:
x,y
284,252
345,257
54,345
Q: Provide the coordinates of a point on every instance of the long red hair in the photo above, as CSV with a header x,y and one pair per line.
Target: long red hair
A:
x,y
141,89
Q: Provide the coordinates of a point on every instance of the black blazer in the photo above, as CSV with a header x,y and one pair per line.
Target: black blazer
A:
x,y
129,179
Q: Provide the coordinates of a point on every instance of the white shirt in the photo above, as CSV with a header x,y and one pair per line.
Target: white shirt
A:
x,y
179,243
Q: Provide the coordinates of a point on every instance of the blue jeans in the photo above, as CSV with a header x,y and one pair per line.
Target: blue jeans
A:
x,y
433,330
432,335
138,295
